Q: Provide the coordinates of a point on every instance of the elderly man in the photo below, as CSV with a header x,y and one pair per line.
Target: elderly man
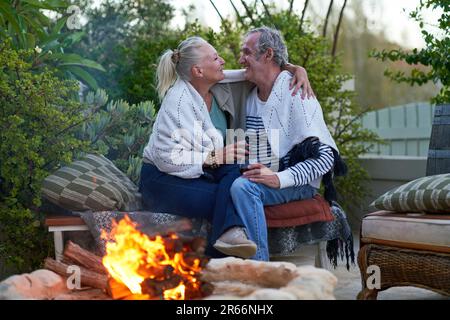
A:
x,y
291,148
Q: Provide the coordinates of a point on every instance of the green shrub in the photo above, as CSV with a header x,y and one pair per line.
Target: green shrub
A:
x,y
39,114
118,130
27,27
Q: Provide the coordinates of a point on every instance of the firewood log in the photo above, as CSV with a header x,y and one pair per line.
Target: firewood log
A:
x,y
88,278
84,258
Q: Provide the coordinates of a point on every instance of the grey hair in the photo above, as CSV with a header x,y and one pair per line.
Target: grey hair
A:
x,y
271,38
178,63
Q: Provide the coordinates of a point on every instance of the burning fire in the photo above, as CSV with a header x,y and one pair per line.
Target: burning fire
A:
x,y
160,267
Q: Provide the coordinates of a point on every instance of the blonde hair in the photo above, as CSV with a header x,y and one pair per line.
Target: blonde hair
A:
x,y
178,63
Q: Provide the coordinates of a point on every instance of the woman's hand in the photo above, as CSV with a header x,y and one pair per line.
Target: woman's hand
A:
x,y
232,152
259,173
299,80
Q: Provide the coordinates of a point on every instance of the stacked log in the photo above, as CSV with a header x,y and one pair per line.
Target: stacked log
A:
x,y
94,275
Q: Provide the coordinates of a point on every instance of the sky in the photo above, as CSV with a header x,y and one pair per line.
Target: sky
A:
x,y
390,16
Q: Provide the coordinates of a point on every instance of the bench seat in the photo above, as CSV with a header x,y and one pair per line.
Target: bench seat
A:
x,y
60,224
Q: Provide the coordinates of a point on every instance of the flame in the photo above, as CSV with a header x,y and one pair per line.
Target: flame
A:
x,y
132,257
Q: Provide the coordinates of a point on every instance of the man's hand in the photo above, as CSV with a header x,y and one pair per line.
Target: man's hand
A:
x,y
259,173
299,80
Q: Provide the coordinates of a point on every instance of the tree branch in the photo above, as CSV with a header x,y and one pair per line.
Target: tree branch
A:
x,y
291,4
221,18
324,32
336,34
249,13
238,16
353,120
267,11
300,28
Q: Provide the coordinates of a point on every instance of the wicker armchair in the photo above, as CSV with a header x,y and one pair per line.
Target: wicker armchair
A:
x,y
411,249
403,263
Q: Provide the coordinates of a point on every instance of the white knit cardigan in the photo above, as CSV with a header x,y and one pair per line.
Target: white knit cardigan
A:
x,y
183,133
289,120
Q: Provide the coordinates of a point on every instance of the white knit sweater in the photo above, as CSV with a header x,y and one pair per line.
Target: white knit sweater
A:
x,y
183,133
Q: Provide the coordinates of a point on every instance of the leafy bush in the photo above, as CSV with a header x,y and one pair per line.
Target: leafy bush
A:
x,y
118,130
29,28
44,126
126,37
39,114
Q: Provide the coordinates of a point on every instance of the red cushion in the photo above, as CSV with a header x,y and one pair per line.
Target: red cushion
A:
x,y
297,213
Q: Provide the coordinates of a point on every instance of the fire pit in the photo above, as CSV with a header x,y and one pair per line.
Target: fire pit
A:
x,y
158,267
166,266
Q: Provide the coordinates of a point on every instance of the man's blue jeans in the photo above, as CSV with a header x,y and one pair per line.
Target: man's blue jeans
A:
x,y
204,197
249,199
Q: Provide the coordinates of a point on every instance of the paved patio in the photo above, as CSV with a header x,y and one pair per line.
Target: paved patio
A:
x,y
349,283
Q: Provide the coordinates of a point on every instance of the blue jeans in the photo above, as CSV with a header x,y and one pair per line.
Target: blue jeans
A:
x,y
249,199
205,197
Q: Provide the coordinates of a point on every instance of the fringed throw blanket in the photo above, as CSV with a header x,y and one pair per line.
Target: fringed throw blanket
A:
x,y
337,233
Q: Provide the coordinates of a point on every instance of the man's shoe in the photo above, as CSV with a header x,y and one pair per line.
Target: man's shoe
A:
x,y
234,242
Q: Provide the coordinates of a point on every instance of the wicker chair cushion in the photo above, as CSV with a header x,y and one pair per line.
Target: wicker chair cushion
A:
x,y
420,229
426,194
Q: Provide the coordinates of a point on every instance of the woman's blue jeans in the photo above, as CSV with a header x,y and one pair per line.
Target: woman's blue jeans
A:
x,y
204,197
249,199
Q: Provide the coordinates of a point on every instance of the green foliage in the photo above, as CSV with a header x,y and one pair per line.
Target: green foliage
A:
x,y
138,80
37,128
24,22
42,127
126,37
118,130
435,55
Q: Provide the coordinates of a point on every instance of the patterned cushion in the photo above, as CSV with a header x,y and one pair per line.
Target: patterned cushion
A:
x,y
426,194
93,183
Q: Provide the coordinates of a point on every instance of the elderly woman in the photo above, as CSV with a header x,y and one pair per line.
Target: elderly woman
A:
x,y
187,169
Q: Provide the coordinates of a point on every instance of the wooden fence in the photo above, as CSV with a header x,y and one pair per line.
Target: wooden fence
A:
x,y
406,129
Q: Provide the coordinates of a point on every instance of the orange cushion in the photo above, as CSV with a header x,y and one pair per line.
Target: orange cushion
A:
x,y
299,212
